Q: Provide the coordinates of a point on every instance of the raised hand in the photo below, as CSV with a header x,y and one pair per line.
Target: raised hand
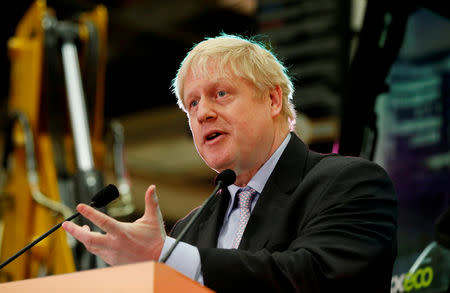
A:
x,y
123,243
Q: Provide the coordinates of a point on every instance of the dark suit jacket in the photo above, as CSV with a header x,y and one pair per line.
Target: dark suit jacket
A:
x,y
323,223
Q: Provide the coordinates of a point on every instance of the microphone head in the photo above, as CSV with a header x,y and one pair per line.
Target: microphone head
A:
x,y
105,196
226,178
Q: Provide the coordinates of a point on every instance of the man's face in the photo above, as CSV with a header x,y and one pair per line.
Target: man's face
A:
x,y
231,121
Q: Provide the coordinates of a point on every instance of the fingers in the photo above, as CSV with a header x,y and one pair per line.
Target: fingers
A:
x,y
84,235
104,222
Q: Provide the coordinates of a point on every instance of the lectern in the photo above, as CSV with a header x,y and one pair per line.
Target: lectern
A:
x,y
142,277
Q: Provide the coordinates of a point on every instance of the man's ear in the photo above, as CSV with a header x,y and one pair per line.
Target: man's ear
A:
x,y
276,98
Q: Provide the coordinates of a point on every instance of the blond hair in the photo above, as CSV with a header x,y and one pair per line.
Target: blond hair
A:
x,y
247,59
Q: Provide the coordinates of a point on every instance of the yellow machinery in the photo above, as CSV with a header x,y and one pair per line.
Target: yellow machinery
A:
x,y
55,138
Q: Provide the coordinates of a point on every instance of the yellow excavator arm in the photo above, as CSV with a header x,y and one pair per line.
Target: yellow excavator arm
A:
x,y
55,138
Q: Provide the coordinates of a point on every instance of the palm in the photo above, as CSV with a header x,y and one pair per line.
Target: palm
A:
x,y
123,242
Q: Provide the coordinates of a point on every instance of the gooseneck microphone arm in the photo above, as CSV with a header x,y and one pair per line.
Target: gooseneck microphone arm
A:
x,y
19,253
189,224
224,179
101,199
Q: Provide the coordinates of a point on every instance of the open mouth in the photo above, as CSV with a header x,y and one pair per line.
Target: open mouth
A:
x,y
213,136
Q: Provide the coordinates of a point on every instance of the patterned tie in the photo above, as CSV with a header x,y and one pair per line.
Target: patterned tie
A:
x,y
245,197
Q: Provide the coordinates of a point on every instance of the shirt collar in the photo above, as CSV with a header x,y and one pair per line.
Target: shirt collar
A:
x,y
259,180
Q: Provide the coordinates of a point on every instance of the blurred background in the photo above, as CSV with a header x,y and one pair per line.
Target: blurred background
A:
x,y
372,79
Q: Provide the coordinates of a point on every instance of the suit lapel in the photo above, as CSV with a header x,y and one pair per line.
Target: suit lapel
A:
x,y
210,224
286,176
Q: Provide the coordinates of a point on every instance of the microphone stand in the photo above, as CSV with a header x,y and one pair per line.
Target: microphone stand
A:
x,y
37,241
101,199
190,223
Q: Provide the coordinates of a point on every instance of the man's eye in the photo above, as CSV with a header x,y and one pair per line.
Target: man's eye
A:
x,y
194,103
221,94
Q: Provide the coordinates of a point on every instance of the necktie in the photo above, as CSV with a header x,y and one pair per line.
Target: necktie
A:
x,y
244,197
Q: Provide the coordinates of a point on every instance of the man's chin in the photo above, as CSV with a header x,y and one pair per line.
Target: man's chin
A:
x,y
219,165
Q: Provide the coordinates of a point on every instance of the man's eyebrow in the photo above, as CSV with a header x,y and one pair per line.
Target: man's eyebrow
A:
x,y
212,85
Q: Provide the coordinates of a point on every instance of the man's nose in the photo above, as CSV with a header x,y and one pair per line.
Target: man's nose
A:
x,y
206,110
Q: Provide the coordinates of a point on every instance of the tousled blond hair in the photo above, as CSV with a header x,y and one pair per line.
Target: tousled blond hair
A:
x,y
246,58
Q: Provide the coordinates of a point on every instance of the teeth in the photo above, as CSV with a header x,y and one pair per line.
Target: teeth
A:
x,y
212,136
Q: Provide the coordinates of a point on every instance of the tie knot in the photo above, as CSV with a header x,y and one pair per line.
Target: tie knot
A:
x,y
245,196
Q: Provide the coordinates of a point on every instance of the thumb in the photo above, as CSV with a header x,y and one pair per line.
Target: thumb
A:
x,y
151,202
152,209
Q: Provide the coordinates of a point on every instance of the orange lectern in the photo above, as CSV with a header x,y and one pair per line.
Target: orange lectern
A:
x,y
140,277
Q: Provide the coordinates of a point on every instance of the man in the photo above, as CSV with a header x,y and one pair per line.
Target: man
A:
x,y
318,223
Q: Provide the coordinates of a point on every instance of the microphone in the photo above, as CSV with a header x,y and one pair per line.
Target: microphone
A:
x,y
100,199
224,179
104,196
